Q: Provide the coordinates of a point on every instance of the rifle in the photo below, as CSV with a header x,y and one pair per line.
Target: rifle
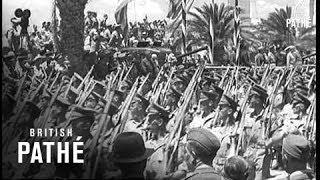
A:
x,y
179,119
167,84
224,77
241,123
156,81
85,79
120,123
228,86
48,110
104,120
20,86
310,119
54,81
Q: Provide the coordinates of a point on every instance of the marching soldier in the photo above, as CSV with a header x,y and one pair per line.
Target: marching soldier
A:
x,y
202,147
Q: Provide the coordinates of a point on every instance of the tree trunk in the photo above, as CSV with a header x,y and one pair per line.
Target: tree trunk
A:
x,y
72,32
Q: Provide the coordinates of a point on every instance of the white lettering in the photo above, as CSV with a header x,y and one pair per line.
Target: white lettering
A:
x,y
36,153
21,151
48,145
61,151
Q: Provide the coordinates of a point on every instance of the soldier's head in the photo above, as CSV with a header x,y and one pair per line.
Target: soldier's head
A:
x,y
138,108
258,97
295,152
91,101
158,118
81,121
227,107
237,168
300,103
202,145
44,100
180,83
60,106
30,111
208,102
173,96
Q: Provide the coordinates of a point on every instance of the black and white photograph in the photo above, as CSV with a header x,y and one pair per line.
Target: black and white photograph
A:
x,y
159,89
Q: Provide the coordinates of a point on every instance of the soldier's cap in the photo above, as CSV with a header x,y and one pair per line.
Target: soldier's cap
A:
x,y
260,91
156,109
208,95
46,94
182,80
296,146
137,151
84,111
218,90
299,98
226,100
144,101
207,142
174,92
33,109
62,101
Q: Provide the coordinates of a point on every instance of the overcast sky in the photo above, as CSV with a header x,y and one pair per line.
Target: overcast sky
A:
x,y
154,9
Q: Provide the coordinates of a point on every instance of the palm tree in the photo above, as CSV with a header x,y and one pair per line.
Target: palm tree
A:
x,y
276,25
72,31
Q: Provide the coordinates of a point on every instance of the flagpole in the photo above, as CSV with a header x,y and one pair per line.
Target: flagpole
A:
x,y
184,25
211,31
236,37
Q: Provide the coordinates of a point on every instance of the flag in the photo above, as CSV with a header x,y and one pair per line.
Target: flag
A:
x,y
211,31
121,16
184,24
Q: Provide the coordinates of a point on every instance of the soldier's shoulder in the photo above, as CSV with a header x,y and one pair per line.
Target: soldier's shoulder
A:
x,y
206,173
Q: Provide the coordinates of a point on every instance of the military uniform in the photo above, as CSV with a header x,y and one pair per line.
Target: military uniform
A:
x,y
203,172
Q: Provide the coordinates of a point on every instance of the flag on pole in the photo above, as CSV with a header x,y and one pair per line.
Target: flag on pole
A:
x,y
184,24
211,31
121,16
236,35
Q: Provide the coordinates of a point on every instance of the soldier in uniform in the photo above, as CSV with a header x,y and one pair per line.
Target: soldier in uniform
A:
x,y
202,147
295,155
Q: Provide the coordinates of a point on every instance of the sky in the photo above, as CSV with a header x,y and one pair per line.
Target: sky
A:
x,y
137,10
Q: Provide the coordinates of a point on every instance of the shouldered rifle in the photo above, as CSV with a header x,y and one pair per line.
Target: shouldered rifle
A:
x,y
179,118
85,79
16,96
310,118
48,110
226,89
167,85
242,113
156,81
224,77
102,122
119,125
54,81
